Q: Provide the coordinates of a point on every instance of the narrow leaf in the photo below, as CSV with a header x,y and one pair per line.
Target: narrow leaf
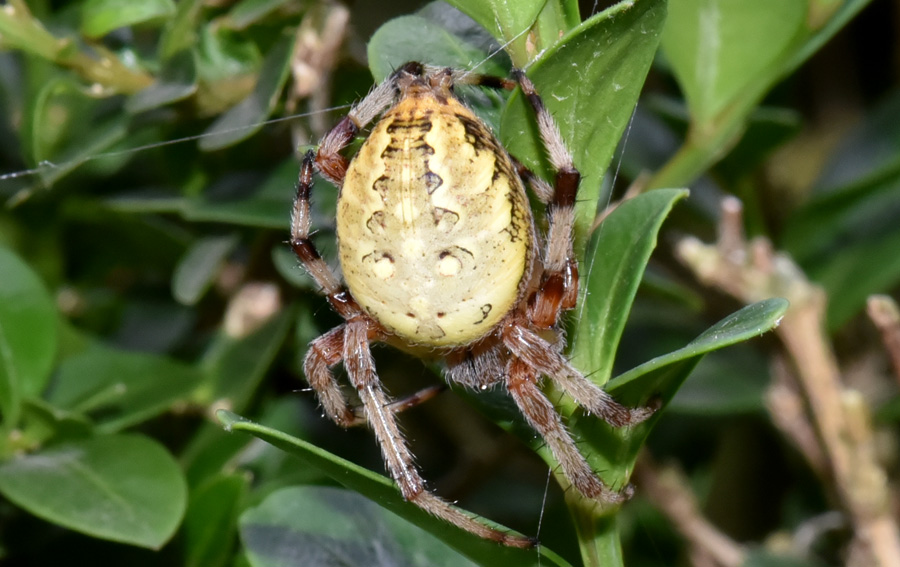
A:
x,y
616,257
590,82
99,17
385,493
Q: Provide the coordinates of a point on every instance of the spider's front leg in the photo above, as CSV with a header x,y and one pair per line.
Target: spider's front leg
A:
x,y
559,282
328,160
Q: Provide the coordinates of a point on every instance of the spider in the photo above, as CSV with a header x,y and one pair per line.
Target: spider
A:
x,y
441,257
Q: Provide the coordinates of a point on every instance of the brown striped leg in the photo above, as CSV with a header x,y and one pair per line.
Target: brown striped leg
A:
x,y
328,160
397,456
324,353
541,415
546,360
559,282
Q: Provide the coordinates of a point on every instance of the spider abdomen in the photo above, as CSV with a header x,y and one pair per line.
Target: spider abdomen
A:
x,y
435,231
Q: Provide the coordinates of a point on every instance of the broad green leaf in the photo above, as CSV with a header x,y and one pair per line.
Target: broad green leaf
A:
x,y
590,81
247,118
718,47
124,488
509,22
200,266
121,388
99,17
616,257
28,331
325,526
210,524
385,493
414,38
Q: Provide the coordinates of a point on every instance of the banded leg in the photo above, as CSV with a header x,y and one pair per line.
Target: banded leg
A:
x,y
559,283
328,160
546,360
541,415
397,456
326,352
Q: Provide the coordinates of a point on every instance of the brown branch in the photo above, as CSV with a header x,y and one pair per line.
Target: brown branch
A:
x,y
668,489
884,313
753,271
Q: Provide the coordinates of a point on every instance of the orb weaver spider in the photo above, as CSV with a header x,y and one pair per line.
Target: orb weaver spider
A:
x,y
441,257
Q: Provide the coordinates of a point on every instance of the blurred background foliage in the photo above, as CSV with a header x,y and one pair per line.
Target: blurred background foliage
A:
x,y
149,152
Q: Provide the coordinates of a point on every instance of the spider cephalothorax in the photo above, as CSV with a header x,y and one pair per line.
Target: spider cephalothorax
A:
x,y
440,254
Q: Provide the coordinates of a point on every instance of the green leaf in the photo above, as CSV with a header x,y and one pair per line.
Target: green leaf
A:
x,y
176,81
327,526
28,332
121,388
248,12
180,30
616,257
718,47
210,524
248,117
200,266
42,423
124,488
99,17
385,493
590,81
249,202
65,128
613,451
414,38
236,365
506,21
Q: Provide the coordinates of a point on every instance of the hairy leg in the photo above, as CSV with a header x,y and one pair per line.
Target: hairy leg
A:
x,y
397,456
546,360
541,415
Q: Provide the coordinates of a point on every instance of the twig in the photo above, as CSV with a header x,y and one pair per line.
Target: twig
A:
x,y
753,271
884,313
667,488
788,411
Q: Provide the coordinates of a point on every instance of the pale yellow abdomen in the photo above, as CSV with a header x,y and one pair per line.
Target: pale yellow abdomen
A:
x,y
435,232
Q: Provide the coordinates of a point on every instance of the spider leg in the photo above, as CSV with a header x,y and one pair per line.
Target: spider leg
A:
x,y
327,351
559,283
540,414
546,360
328,160
398,459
